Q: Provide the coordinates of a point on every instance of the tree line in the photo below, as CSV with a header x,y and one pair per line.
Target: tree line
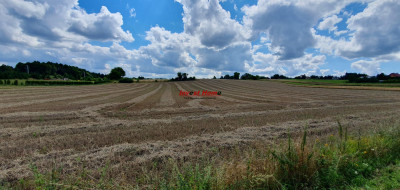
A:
x,y
47,70
351,77
182,77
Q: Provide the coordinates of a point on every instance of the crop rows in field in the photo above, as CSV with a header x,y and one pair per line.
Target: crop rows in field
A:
x,y
129,124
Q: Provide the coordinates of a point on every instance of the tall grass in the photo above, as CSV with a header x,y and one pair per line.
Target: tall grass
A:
x,y
336,162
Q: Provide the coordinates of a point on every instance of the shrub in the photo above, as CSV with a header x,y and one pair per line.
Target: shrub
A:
x,y
16,82
126,80
1,81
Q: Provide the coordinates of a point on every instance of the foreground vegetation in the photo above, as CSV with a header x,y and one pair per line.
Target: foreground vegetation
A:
x,y
338,161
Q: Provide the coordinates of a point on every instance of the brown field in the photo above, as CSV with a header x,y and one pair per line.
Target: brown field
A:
x,y
126,126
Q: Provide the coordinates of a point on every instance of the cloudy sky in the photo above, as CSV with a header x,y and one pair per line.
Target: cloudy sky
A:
x,y
205,38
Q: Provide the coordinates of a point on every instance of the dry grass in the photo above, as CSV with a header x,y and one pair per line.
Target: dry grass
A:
x,y
132,127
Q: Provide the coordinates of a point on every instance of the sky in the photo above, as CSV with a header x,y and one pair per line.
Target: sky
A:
x,y
205,38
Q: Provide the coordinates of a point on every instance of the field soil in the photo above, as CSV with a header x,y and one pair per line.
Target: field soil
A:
x,y
126,126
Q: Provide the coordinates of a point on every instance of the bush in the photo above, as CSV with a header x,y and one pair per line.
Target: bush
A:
x,y
16,82
338,162
1,82
101,80
126,80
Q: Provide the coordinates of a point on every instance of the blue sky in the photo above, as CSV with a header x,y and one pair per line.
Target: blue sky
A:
x,y
205,38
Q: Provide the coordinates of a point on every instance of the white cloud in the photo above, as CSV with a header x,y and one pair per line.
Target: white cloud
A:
x,y
369,67
210,23
376,30
132,12
287,26
269,64
103,26
329,23
26,8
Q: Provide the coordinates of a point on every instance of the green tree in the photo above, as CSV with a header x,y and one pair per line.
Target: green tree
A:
x,y
179,75
236,75
116,73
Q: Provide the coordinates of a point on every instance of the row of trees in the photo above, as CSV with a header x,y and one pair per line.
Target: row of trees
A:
x,y
246,76
48,70
351,77
183,77
364,78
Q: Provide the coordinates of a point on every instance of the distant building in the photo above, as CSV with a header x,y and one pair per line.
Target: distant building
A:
x,y
394,75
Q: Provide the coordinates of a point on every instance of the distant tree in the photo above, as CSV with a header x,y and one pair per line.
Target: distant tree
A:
x,y
277,76
352,77
6,68
184,76
214,77
116,73
236,75
43,70
382,76
227,76
329,77
301,77
179,76
248,76
16,82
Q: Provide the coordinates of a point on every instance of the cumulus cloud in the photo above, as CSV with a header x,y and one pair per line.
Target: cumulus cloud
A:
x,y
27,9
168,49
329,23
287,26
368,67
48,21
268,64
210,23
232,58
103,26
376,30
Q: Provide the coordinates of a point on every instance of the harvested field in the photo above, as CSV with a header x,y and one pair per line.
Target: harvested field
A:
x,y
126,126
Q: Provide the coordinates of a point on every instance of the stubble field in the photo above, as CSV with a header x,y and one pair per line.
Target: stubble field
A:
x,y
126,127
